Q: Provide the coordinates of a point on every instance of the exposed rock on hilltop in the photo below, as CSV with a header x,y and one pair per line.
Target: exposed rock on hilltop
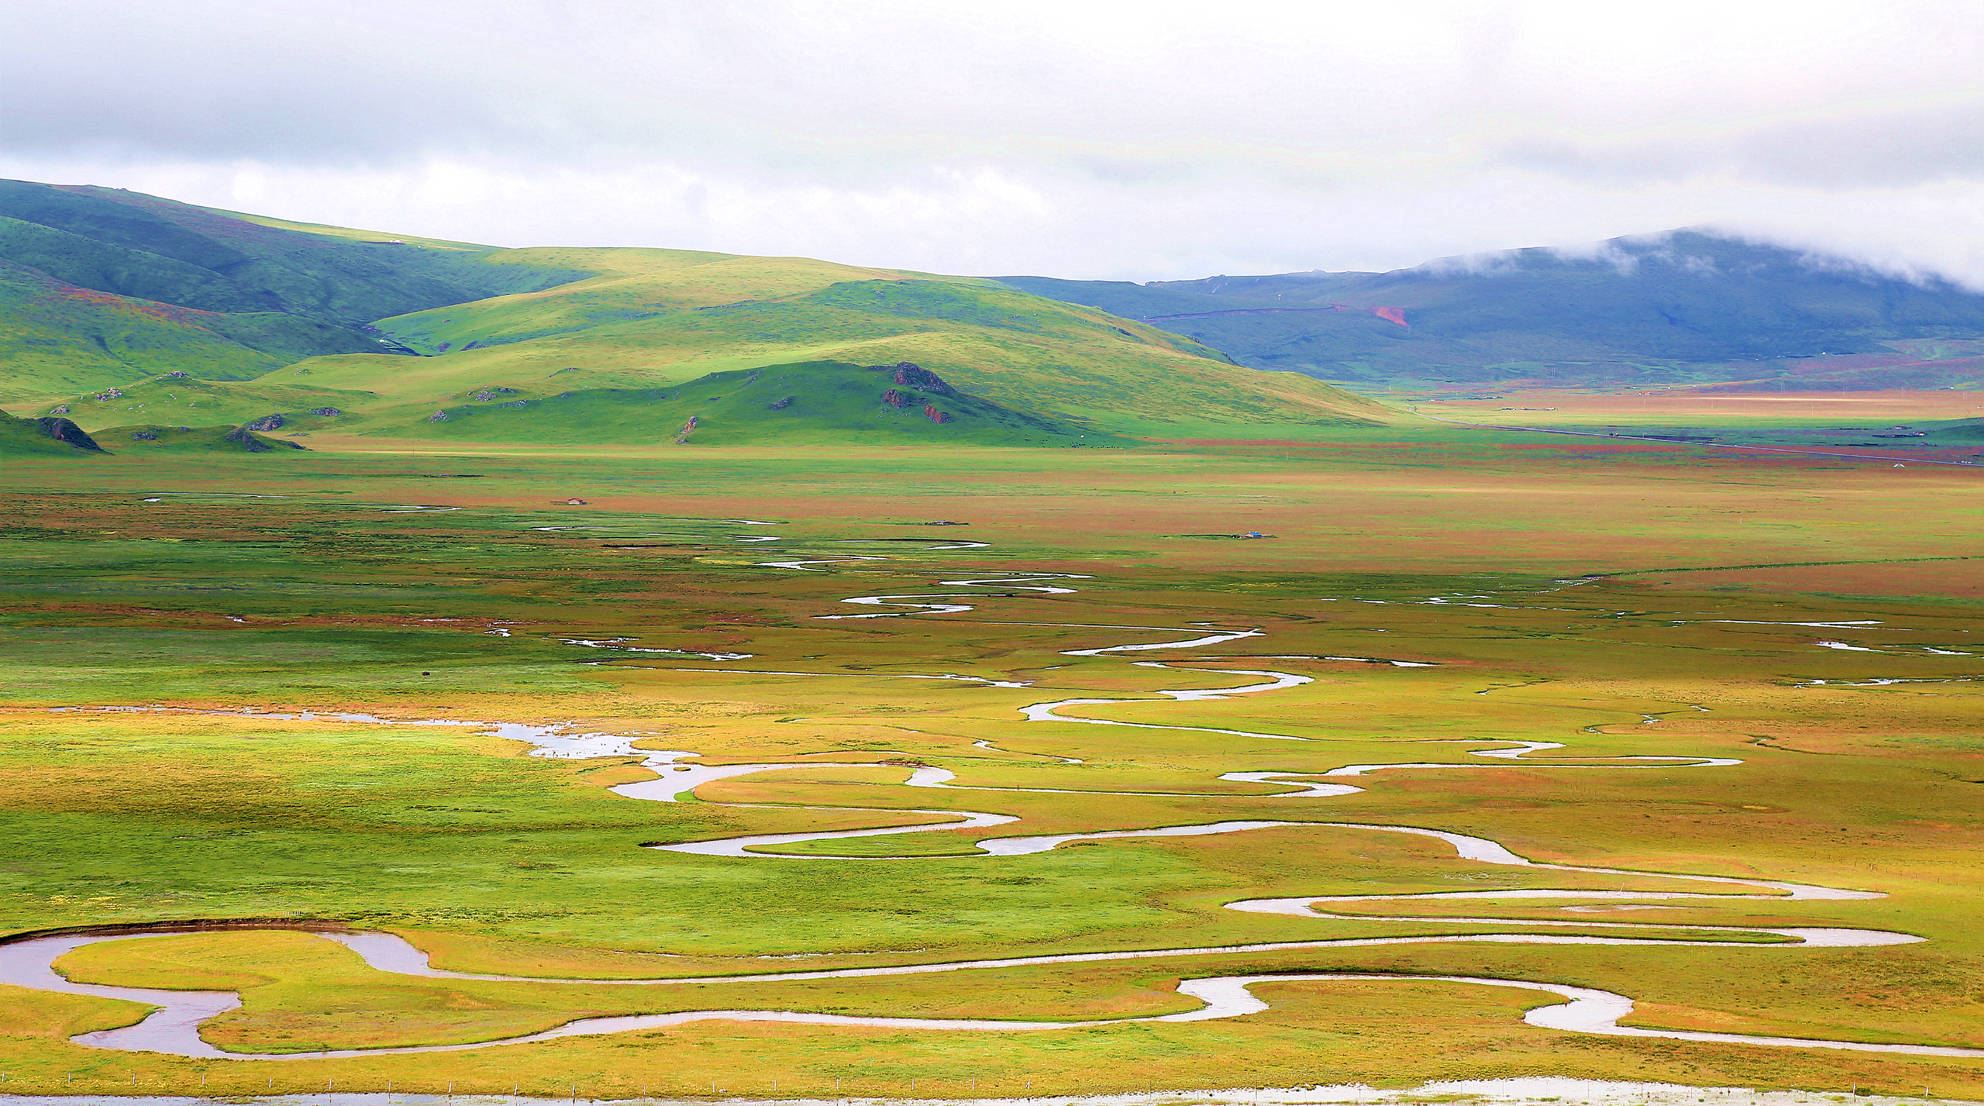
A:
x,y
62,430
909,374
248,441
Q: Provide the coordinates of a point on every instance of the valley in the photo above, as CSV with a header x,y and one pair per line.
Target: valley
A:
x,y
1360,787
429,668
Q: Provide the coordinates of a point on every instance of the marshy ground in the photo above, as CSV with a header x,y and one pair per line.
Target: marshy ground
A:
x,y
1630,661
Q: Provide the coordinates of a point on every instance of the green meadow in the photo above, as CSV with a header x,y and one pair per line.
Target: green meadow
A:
x,y
1624,600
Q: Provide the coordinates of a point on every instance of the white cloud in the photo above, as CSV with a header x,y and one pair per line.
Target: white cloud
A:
x,y
1146,141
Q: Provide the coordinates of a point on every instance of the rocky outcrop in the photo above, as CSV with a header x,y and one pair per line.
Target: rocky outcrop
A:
x,y
930,412
688,428
249,442
62,430
265,423
178,374
780,405
109,394
144,435
487,394
59,409
326,412
895,397
909,374
438,416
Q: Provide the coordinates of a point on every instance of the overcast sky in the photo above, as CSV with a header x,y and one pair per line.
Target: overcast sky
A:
x,y
1142,140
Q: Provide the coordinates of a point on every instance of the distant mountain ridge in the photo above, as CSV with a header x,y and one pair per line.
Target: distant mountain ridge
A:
x,y
1686,307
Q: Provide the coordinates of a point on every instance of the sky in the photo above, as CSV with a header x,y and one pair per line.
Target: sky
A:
x,y
1138,141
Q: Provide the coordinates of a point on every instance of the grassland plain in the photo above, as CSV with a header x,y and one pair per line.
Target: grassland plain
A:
x,y
1623,599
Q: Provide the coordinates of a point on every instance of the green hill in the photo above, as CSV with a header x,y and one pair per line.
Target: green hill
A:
x,y
810,402
142,440
120,309
660,318
99,287
43,435
1679,308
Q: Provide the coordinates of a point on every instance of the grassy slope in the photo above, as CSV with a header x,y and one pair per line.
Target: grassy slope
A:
x,y
659,318
811,402
57,339
110,288
99,287
172,401
22,437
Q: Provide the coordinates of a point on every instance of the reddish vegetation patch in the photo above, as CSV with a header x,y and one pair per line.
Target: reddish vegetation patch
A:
x,y
64,292
158,311
1390,314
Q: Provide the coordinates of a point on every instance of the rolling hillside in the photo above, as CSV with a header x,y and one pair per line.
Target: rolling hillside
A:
x,y
52,435
1679,308
136,311
99,287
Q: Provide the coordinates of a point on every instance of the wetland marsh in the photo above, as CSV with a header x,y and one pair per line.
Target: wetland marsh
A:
x,y
1499,757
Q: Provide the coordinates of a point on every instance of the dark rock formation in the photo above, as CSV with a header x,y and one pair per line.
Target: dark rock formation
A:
x,y
780,405
487,394
909,374
178,374
109,394
62,430
266,422
930,412
144,435
895,398
241,436
326,412
438,416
